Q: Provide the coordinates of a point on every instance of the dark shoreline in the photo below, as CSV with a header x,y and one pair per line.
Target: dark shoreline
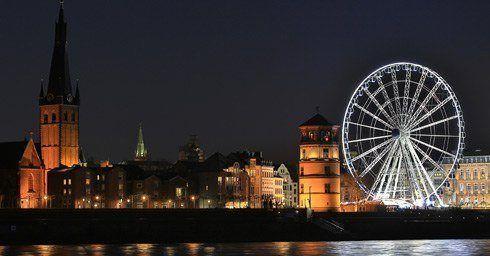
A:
x,y
122,226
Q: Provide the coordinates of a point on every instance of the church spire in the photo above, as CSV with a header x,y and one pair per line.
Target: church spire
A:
x,y
59,89
141,153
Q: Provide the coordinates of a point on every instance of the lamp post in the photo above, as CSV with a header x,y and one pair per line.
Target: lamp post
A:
x,y
193,199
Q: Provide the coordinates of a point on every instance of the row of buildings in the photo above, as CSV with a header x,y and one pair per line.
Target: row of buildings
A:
x,y
54,173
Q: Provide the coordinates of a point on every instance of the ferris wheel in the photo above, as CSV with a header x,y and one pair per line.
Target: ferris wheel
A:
x,y
401,122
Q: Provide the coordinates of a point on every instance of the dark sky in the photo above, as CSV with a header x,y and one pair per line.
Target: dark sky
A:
x,y
240,74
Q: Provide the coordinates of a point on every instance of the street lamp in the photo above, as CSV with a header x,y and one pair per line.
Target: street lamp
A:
x,y
209,203
193,198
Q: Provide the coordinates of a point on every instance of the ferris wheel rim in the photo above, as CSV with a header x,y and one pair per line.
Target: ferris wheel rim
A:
x,y
355,95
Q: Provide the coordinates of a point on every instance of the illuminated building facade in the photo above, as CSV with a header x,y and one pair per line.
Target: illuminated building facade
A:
x,y
319,165
468,184
290,187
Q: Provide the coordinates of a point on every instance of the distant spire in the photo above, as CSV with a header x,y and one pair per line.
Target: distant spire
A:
x,y
141,153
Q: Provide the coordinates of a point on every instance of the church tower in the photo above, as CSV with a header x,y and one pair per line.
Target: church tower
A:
x,y
141,153
58,105
319,165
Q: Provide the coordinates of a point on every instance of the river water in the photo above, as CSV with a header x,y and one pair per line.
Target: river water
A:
x,y
395,247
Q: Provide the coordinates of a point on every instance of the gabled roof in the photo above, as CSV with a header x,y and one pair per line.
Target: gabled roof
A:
x,y
316,120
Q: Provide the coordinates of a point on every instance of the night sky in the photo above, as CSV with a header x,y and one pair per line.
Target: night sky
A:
x,y
240,74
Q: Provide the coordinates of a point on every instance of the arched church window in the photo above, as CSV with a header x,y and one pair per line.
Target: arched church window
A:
x,y
53,117
30,183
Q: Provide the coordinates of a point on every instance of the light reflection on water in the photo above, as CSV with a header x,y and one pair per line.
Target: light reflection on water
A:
x,y
395,247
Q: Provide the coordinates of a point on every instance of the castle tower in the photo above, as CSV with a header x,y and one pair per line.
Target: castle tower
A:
x,y
141,153
319,165
58,116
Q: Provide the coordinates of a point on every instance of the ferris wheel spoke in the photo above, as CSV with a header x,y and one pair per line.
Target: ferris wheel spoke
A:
x,y
387,98
406,92
386,170
435,135
419,167
410,173
368,126
395,186
375,161
371,150
373,116
371,138
433,147
425,101
417,92
376,102
434,123
424,172
432,161
392,173
429,113
397,94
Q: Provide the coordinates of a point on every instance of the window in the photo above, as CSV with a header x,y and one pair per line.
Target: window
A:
x,y
483,187
139,185
461,175
179,192
302,189
303,153
475,174
103,177
468,175
325,153
98,177
468,188
475,188
327,170
302,170
64,181
121,186
207,187
73,117
65,116
30,183
482,175
64,191
69,191
45,117
327,187
53,117
102,187
461,187
69,181
311,135
87,181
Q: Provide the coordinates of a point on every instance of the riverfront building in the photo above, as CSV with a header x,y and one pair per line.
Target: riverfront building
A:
x,y
468,185
319,165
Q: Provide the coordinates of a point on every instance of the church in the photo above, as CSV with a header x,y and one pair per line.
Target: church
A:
x,y
25,164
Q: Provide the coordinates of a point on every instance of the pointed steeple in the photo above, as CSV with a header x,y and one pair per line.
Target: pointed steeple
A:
x,y
59,84
76,101
141,153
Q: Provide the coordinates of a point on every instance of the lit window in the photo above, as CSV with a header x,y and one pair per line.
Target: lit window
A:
x,y
179,192
73,117
483,187
87,181
64,181
98,177
475,174
64,191
121,186
207,187
69,181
